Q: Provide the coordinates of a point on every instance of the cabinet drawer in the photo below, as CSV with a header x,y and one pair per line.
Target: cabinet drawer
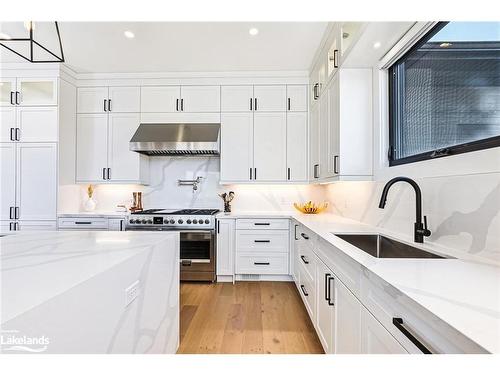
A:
x,y
307,291
83,223
262,224
307,259
274,241
262,263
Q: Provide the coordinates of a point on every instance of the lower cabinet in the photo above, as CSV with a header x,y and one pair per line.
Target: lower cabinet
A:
x,y
347,320
325,313
225,249
91,223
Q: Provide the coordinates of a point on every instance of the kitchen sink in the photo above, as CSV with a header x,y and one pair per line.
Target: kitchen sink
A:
x,y
382,247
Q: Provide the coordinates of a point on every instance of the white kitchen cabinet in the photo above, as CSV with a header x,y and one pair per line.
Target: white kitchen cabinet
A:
x,y
237,98
92,99
225,248
347,327
8,178
236,147
160,99
36,225
37,124
37,91
125,165
333,165
116,225
7,123
296,146
323,136
124,99
91,147
270,98
314,142
7,91
269,146
296,98
375,339
325,314
36,181
200,99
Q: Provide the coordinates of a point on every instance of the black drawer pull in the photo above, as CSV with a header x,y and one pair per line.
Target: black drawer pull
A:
x,y
330,303
261,263
398,322
327,289
304,236
304,259
261,223
83,222
304,290
262,241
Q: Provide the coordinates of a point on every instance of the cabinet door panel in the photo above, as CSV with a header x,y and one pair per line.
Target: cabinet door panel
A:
x,y
91,147
8,179
314,143
324,151
325,315
7,86
296,146
236,146
37,124
160,98
296,98
375,339
334,127
7,122
236,98
124,164
347,320
270,146
270,98
91,99
125,99
225,247
200,98
37,91
37,181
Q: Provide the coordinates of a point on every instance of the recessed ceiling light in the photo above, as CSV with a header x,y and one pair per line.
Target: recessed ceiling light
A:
x,y
5,36
253,31
129,34
444,45
377,45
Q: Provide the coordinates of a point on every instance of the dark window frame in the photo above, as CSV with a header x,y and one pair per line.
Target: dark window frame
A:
x,y
478,145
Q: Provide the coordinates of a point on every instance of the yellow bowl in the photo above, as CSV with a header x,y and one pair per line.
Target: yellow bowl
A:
x,y
310,207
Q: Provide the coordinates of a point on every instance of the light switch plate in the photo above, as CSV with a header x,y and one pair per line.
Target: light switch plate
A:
x,y
131,293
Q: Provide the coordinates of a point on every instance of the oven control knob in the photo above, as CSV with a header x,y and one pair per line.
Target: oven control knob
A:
x,y
165,221
150,221
195,221
143,221
132,221
180,221
200,222
172,221
207,221
188,221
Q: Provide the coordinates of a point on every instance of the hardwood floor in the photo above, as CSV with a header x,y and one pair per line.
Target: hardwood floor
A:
x,y
245,318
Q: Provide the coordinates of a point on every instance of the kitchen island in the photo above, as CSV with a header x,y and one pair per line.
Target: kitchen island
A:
x,y
89,292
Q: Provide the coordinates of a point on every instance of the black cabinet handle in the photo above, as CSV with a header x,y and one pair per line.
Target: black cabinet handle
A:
x,y
12,134
12,98
218,226
289,104
336,164
261,263
109,173
17,97
336,58
182,105
16,226
109,105
255,103
83,222
251,104
304,236
255,173
177,104
398,322
304,290
105,105
10,226
17,134
288,174
121,225
16,212
304,259
330,303
315,91
104,173
250,173
316,170
262,241
295,232
261,223
327,289
11,213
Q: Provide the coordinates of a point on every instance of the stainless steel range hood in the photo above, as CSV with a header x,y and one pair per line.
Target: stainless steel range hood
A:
x,y
176,139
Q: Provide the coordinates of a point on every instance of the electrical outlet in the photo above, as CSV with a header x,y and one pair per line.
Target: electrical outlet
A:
x,y
131,293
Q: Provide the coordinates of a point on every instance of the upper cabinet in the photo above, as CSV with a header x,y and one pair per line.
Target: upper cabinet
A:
x,y
28,91
108,99
237,98
270,98
189,99
296,98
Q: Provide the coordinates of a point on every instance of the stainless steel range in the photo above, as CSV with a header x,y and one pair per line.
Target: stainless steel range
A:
x,y
197,235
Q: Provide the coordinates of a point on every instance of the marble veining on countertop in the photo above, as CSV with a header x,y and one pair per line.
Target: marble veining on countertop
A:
x,y
464,293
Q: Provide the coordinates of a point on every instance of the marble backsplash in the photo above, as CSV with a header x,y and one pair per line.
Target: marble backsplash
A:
x,y
463,212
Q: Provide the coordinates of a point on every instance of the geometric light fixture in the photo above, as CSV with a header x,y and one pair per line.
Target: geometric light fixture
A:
x,y
28,46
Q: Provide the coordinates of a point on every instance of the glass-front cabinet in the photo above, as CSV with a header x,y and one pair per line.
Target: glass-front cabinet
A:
x,y
7,91
28,91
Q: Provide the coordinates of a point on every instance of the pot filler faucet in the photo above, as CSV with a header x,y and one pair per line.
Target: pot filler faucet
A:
x,y
421,230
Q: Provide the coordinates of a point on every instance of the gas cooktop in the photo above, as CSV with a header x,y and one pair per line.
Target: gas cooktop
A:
x,y
165,219
162,211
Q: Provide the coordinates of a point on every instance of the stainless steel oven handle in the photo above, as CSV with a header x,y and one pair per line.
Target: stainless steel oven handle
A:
x,y
182,261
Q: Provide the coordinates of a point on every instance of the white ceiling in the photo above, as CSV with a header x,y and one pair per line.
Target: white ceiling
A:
x,y
101,47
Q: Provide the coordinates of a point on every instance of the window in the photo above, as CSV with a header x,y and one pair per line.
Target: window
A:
x,y
444,93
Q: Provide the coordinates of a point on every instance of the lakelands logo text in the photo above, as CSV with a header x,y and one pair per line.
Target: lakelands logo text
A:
x,y
12,341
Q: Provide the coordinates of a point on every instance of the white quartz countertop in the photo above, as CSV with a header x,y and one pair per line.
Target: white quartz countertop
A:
x,y
38,266
464,293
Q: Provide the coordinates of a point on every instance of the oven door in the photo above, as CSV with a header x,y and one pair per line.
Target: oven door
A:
x,y
197,252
